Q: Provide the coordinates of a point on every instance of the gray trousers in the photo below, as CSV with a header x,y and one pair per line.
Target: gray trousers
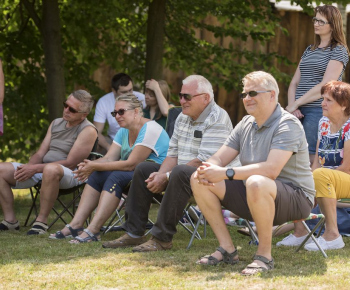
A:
x,y
174,201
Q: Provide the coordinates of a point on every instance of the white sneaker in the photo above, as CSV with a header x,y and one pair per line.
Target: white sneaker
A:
x,y
338,243
293,241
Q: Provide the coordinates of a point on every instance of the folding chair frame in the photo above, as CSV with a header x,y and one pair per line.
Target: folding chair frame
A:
x,y
319,225
69,207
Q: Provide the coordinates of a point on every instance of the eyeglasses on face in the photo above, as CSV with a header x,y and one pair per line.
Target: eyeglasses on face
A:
x,y
120,112
252,94
319,21
72,110
188,97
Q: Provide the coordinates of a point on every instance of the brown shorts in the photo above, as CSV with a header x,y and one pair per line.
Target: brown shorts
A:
x,y
291,202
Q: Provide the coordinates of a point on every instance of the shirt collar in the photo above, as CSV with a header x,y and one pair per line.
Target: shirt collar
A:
x,y
274,116
202,117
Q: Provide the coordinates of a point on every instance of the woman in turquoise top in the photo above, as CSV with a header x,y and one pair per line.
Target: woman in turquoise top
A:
x,y
137,140
157,98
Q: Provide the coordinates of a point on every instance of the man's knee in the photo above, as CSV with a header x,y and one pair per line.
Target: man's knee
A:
x,y
259,186
52,172
182,172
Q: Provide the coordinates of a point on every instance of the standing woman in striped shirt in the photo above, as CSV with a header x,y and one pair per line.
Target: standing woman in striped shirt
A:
x,y
320,63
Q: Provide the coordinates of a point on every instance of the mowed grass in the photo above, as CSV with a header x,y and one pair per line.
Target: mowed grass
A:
x,y
36,262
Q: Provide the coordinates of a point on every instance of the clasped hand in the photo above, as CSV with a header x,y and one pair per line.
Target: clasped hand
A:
x,y
84,170
157,182
208,174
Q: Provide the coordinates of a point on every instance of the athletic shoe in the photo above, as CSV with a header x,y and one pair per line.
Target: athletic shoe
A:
x,y
293,241
338,243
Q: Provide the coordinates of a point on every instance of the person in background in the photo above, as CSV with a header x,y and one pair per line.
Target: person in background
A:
x,y
320,63
121,84
157,97
331,167
2,95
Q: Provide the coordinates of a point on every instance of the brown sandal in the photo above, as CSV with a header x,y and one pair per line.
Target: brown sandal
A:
x,y
124,241
153,245
226,258
255,268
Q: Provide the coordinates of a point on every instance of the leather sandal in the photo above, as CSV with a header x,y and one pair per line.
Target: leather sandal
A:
x,y
38,228
73,233
124,242
6,226
226,258
254,268
153,245
90,238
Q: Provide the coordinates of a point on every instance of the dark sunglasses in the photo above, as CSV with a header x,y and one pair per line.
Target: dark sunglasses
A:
x,y
319,21
120,112
188,97
252,94
72,110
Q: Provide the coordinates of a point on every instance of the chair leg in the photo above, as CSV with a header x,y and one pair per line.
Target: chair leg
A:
x,y
33,206
195,231
319,224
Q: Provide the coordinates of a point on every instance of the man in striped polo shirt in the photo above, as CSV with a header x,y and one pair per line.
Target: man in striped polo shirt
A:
x,y
199,132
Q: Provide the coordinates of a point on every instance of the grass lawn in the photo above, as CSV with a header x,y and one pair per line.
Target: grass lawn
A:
x,y
36,262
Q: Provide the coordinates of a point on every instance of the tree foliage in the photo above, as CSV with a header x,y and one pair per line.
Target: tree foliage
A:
x,y
114,32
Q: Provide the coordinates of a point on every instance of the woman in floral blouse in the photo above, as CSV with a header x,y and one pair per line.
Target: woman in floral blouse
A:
x,y
331,167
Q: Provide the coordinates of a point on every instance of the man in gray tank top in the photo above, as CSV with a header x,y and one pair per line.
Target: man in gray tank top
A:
x,y
68,142
274,184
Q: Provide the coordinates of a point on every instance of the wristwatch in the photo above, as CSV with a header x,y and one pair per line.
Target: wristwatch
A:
x,y
230,173
167,175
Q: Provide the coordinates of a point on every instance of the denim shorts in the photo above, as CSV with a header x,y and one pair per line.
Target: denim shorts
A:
x,y
112,181
312,116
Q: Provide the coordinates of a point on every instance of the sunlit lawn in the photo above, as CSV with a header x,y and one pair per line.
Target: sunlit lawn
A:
x,y
32,262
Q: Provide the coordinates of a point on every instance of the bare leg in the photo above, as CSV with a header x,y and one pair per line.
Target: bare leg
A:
x,y
208,199
261,194
329,209
107,205
52,174
88,202
6,195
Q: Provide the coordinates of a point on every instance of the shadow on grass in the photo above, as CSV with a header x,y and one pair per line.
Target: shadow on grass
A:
x,y
39,250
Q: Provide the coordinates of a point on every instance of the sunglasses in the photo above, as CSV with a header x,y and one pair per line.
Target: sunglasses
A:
x,y
319,21
252,94
120,112
188,97
72,110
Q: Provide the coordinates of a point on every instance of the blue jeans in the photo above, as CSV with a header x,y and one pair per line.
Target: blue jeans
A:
x,y
312,116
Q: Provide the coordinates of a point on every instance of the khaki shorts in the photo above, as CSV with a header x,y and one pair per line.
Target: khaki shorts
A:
x,y
291,202
67,181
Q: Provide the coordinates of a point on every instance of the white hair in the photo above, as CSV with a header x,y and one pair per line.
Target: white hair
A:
x,y
264,79
203,85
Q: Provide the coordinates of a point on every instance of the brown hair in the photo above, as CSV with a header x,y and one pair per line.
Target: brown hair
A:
x,y
334,18
340,92
164,87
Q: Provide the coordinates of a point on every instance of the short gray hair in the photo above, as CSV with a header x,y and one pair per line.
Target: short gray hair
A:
x,y
133,102
264,79
203,85
85,98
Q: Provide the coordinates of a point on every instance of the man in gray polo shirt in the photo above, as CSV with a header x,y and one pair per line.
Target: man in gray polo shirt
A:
x,y
274,184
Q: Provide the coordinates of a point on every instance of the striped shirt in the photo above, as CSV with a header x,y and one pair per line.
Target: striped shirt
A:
x,y
199,138
331,148
313,66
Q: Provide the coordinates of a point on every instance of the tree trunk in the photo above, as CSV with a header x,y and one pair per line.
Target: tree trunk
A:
x,y
155,40
54,69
